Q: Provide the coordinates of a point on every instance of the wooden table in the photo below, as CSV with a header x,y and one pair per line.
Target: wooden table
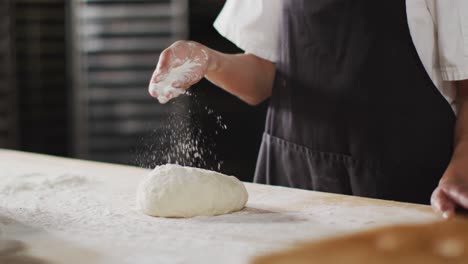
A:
x,y
74,211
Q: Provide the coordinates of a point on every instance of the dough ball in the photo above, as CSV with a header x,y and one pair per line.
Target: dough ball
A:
x,y
176,191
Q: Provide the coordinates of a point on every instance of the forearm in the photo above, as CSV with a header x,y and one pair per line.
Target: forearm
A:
x,y
244,75
460,153
452,192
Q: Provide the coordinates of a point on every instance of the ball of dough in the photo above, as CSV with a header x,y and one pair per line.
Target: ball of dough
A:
x,y
176,191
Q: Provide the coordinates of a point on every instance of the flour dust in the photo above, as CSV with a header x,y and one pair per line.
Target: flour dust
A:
x,y
186,136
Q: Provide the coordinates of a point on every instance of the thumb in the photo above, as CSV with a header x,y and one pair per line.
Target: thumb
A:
x,y
159,73
162,68
458,193
442,203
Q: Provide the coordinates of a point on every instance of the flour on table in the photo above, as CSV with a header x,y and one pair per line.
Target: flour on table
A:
x,y
164,89
175,191
99,214
38,181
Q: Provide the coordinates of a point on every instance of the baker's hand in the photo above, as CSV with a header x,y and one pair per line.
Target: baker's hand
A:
x,y
180,66
452,192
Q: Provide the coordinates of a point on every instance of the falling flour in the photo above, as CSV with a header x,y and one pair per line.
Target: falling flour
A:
x,y
165,90
186,137
182,138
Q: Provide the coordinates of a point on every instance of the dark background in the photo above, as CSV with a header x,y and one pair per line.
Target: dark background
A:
x,y
40,85
239,145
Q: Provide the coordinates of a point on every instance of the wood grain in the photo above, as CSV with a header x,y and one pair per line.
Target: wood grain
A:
x,y
434,243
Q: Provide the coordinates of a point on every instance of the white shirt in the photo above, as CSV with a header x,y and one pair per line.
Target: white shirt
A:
x,y
439,29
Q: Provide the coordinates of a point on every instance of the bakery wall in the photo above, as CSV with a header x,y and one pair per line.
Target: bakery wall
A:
x,y
73,82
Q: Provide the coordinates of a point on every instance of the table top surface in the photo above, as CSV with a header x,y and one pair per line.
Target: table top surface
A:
x,y
75,211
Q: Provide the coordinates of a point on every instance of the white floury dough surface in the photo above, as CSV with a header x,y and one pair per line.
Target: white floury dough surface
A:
x,y
176,191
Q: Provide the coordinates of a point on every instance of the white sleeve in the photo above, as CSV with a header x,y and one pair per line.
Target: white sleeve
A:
x,y
252,25
451,20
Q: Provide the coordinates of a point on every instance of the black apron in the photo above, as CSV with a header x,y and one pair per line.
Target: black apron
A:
x,y
353,110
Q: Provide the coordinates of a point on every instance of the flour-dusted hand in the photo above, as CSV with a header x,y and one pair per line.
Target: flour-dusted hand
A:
x,y
185,63
180,66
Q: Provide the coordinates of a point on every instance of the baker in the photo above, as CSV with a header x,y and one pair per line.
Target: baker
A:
x,y
367,98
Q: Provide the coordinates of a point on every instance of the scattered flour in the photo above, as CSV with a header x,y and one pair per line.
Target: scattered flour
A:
x,y
94,208
38,181
165,90
187,137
